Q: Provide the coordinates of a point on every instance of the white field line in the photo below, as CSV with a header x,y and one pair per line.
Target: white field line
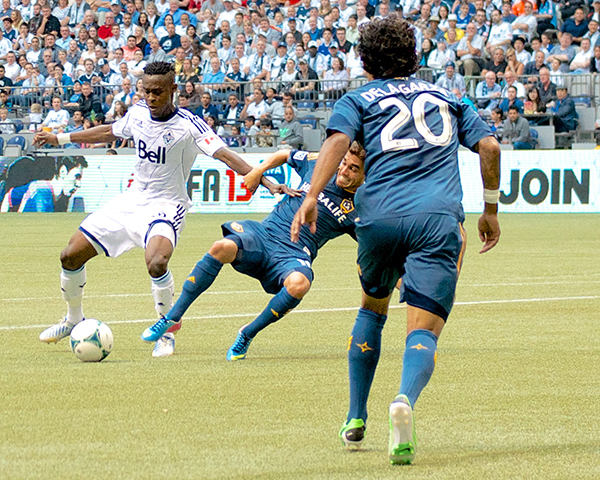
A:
x,y
318,289
327,310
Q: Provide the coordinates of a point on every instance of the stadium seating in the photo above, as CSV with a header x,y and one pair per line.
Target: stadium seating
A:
x,y
535,137
15,146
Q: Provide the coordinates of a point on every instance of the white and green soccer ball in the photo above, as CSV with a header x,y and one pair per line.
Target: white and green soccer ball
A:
x,y
91,340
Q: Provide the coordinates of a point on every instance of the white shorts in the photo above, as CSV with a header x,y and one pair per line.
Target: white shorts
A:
x,y
128,221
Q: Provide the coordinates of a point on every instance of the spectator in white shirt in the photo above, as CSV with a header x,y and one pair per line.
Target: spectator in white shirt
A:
x,y
510,80
7,126
470,51
11,67
57,118
5,46
525,24
255,105
345,11
117,59
259,63
581,62
116,40
523,55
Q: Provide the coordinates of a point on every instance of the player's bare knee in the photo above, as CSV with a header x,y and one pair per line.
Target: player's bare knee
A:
x,y
157,265
224,250
297,285
68,260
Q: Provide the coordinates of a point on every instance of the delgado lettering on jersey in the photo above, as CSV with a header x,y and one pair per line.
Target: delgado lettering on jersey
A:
x,y
375,93
336,210
160,156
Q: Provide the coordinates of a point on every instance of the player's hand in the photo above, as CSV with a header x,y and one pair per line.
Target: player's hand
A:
x,y
307,213
252,179
489,231
279,188
43,138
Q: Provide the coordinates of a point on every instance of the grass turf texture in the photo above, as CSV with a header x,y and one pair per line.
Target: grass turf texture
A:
x,y
514,394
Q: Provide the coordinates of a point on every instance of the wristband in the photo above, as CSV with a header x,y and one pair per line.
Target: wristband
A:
x,y
491,196
63,138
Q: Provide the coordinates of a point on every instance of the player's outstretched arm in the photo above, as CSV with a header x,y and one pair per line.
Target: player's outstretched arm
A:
x,y
99,134
238,164
252,180
489,157
233,161
331,154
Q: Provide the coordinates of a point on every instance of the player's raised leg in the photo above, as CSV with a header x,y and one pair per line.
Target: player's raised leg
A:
x,y
295,287
198,281
72,280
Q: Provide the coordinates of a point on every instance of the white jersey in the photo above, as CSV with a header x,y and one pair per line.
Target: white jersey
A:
x,y
165,150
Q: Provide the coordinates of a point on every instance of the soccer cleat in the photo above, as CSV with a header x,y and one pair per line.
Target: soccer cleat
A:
x,y
352,433
403,439
239,348
165,346
156,331
57,332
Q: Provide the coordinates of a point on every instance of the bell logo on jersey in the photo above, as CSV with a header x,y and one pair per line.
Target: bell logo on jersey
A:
x,y
160,156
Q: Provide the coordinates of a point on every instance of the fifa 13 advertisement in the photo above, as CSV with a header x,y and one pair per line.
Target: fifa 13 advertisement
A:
x,y
538,181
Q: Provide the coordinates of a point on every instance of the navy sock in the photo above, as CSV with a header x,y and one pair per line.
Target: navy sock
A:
x,y
364,347
418,363
202,276
279,305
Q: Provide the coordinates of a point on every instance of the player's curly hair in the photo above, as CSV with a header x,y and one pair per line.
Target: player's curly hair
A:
x,y
387,47
159,68
357,150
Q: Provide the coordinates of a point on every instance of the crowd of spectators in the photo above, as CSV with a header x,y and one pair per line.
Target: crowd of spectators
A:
x,y
526,51
262,59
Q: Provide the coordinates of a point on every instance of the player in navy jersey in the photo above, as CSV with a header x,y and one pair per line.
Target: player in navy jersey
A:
x,y
264,250
151,213
410,212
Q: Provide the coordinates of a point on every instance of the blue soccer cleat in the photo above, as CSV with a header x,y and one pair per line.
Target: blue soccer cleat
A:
x,y
239,348
153,333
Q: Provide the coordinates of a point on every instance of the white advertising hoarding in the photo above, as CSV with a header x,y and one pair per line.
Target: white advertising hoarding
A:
x,y
531,181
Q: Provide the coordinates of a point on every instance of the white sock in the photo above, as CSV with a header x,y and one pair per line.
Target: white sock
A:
x,y
163,291
71,284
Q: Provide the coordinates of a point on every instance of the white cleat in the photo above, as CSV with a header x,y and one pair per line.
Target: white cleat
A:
x,y
57,332
165,346
403,440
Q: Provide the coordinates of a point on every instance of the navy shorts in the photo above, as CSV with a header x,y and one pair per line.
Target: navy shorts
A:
x,y
425,250
261,258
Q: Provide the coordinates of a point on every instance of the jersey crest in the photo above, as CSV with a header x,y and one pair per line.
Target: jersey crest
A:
x,y
347,206
237,227
168,138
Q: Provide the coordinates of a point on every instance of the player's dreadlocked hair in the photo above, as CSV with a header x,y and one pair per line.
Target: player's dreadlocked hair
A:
x,y
159,68
387,47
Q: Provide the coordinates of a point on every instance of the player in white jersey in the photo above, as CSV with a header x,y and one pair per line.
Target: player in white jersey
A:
x,y
151,214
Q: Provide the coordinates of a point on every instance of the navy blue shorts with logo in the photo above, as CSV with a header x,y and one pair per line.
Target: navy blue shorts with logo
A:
x,y
425,250
264,259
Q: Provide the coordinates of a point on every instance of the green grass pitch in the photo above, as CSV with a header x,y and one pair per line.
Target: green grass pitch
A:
x,y
514,395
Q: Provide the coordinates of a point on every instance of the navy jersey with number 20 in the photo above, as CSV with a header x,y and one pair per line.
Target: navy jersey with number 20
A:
x,y
411,131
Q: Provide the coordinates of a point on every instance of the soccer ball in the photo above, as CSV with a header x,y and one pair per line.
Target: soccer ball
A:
x,y
91,340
